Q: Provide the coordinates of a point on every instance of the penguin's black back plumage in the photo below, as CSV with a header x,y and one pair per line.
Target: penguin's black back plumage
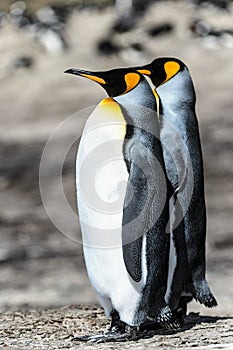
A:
x,y
184,165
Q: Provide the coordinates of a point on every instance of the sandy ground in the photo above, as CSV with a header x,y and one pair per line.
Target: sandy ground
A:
x,y
56,329
39,266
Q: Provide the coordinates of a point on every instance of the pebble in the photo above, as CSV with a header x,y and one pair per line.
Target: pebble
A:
x,y
222,4
107,47
22,62
161,29
124,24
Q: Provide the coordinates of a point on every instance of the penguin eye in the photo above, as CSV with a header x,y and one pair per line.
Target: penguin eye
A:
x,y
131,80
171,68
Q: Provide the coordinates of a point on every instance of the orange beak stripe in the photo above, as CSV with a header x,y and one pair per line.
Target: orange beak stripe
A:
x,y
144,71
94,78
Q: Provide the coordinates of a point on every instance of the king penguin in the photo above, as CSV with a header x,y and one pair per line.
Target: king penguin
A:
x,y
179,133
123,204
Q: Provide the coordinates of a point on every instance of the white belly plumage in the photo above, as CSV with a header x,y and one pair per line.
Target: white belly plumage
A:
x,y
101,180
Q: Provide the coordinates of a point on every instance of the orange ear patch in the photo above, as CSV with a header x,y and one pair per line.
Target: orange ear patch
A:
x,y
144,71
132,80
171,68
94,78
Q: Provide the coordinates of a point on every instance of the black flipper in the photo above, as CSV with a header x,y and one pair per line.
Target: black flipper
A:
x,y
146,214
132,234
195,217
181,275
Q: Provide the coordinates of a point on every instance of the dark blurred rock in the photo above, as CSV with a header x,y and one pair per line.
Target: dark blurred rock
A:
x,y
161,29
93,4
201,28
19,164
107,47
46,25
134,7
3,18
12,254
47,16
226,242
63,12
23,62
19,16
18,8
51,38
50,27
124,24
52,15
32,252
140,6
223,4
138,47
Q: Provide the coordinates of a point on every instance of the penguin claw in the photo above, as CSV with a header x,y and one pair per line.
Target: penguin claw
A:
x,y
118,337
92,338
164,315
179,314
172,326
166,318
84,338
110,336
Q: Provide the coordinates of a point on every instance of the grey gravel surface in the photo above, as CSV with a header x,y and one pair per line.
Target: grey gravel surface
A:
x,y
55,329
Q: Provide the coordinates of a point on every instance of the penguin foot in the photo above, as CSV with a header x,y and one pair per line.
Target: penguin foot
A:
x,y
179,314
150,325
181,311
130,333
166,319
204,295
116,325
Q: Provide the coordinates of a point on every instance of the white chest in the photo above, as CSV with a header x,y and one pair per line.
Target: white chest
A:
x,y
101,176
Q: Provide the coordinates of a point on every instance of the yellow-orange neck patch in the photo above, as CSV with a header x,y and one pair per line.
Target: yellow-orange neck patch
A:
x,y
157,102
107,101
113,113
171,68
132,80
94,78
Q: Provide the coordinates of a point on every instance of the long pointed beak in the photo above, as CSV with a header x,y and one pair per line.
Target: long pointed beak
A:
x,y
77,71
86,74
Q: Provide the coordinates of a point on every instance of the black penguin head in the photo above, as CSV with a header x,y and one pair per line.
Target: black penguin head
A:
x,y
116,82
162,69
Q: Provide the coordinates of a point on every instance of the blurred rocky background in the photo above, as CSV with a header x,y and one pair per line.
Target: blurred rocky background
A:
x,y
39,266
